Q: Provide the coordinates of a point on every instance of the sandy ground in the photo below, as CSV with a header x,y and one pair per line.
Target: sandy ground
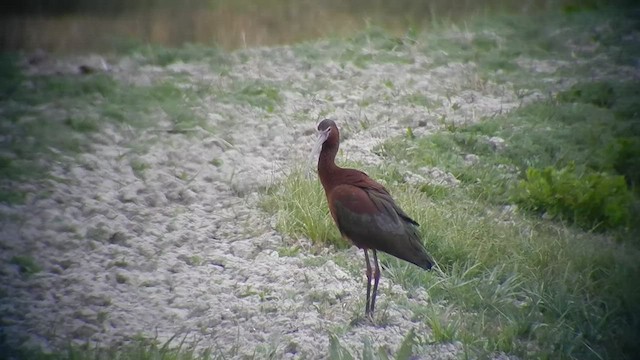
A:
x,y
124,255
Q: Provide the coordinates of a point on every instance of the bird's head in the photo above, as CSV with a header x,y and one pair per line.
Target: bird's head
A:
x,y
328,137
327,133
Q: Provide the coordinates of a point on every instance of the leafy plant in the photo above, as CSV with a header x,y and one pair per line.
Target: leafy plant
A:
x,y
27,265
592,199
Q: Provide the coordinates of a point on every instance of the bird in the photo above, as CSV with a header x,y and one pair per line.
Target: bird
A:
x,y
365,213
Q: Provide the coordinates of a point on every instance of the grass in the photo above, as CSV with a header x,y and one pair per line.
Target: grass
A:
x,y
257,94
404,352
141,349
26,265
295,203
497,43
150,54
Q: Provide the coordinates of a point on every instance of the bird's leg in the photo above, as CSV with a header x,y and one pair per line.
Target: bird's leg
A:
x,y
368,309
376,280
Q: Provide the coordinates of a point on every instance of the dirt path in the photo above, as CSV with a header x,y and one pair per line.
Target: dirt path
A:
x,y
183,247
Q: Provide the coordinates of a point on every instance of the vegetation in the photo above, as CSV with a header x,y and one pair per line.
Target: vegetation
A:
x,y
26,265
593,200
141,349
296,201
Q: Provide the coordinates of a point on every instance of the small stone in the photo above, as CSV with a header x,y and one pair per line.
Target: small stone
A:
x,y
413,179
497,143
128,195
118,238
84,331
509,209
97,300
121,279
471,159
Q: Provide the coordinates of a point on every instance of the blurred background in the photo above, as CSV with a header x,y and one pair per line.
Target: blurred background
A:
x,y
72,26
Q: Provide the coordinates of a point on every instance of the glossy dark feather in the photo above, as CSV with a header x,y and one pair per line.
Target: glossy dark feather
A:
x,y
370,218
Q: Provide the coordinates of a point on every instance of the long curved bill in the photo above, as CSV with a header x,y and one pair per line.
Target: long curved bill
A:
x,y
317,148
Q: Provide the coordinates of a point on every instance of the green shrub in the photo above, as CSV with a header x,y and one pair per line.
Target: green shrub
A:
x,y
26,264
591,199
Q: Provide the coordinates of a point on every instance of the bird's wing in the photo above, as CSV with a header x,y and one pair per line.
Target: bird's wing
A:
x,y
378,194
385,203
362,202
371,220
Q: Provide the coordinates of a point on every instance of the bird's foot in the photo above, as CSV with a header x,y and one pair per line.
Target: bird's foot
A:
x,y
366,319
370,320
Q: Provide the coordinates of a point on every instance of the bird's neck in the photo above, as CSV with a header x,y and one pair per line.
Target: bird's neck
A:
x,y
327,168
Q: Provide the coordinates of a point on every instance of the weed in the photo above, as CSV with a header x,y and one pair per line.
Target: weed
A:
x,y
337,351
195,260
12,196
26,265
256,94
83,124
404,352
593,200
102,316
421,100
599,94
121,279
139,167
122,263
300,207
289,251
163,56
372,45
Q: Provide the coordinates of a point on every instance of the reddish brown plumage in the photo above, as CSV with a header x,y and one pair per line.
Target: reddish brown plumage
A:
x,y
365,212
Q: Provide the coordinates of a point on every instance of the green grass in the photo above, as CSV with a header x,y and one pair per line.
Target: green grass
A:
x,y
594,200
141,349
301,210
26,265
374,45
259,94
151,54
496,43
369,352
